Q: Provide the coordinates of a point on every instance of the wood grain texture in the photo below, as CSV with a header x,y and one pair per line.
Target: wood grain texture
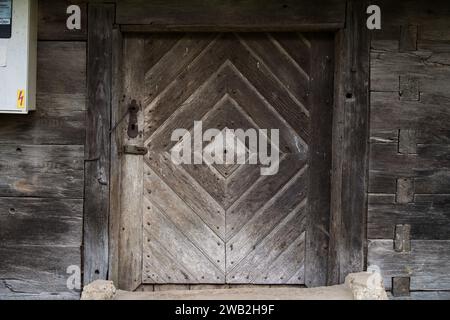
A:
x,y
41,171
36,221
350,152
264,15
427,264
60,109
97,165
53,17
222,223
37,272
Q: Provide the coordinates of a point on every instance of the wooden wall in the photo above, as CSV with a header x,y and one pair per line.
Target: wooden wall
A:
x,y
42,156
410,147
42,169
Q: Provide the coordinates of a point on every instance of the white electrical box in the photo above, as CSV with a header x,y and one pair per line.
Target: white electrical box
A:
x,y
18,55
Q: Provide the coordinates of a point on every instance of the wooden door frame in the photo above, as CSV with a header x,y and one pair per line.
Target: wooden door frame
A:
x,y
105,237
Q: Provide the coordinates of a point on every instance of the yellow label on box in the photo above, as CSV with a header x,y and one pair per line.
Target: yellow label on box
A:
x,y
20,99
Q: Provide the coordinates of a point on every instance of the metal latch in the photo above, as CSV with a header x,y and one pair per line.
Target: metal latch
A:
x,y
140,151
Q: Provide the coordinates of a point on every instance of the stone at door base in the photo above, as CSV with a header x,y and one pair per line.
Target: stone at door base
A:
x,y
366,286
99,290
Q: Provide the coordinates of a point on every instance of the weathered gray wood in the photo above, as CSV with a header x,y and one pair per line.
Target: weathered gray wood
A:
x,y
428,220
428,263
41,171
116,144
423,295
402,240
320,160
60,111
409,88
53,17
34,272
36,221
131,188
407,141
350,151
224,15
405,190
408,38
400,286
97,166
184,262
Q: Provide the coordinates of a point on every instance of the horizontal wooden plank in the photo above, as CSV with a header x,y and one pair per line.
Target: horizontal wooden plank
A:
x,y
61,67
58,119
429,221
388,112
415,12
429,159
42,171
227,15
428,263
382,182
34,221
423,295
53,18
33,271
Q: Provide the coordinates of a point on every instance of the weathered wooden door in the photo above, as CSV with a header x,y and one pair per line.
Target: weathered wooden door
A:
x,y
226,222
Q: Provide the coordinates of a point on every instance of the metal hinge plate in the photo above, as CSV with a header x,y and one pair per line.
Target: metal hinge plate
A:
x,y
140,151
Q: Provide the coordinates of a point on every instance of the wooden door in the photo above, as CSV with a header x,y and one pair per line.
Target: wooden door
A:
x,y
228,223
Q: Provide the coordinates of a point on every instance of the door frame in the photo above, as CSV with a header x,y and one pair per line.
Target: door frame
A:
x,y
109,248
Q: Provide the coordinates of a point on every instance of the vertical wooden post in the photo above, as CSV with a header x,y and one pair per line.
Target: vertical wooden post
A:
x,y
319,190
350,141
97,163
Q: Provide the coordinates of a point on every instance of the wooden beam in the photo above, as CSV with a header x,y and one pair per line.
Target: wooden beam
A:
x,y
250,15
319,190
97,151
350,141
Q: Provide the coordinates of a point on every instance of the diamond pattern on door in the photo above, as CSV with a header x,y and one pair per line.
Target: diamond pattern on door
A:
x,y
222,223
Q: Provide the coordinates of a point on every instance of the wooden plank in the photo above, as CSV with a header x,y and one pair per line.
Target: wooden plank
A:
x,y
97,166
405,190
116,164
428,160
350,152
428,220
131,189
36,271
414,12
402,240
400,286
190,192
423,295
388,112
266,219
55,75
182,216
260,193
223,15
435,182
278,257
190,264
407,141
60,112
408,38
428,263
409,88
320,160
41,171
53,18
37,221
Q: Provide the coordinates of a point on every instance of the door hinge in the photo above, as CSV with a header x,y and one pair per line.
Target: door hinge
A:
x,y
140,151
